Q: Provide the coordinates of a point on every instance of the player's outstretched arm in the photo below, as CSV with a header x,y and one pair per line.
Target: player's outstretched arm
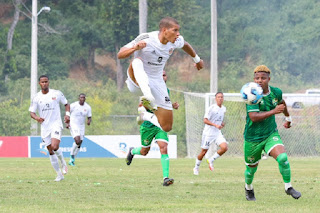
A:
x,y
125,52
190,51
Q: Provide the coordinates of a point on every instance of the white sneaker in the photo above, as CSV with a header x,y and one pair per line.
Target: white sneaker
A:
x,y
148,103
64,169
210,165
59,178
196,171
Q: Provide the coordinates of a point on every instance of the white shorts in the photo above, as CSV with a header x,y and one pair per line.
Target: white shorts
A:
x,y
207,140
158,89
54,134
76,131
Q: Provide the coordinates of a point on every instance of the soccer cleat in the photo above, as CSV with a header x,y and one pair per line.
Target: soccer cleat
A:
x,y
295,194
147,102
129,156
195,171
250,195
64,169
168,181
210,165
59,178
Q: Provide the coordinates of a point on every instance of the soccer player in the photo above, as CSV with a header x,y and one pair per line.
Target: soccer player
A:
x,y
261,133
151,52
213,120
47,103
79,111
148,132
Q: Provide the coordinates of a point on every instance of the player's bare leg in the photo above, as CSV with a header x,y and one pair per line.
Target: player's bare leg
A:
x,y
165,118
74,150
223,149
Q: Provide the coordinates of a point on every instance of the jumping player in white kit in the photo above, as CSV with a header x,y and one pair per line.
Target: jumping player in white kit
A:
x,y
79,111
46,102
151,52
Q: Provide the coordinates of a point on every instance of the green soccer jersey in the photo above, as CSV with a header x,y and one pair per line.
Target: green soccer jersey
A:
x,y
259,131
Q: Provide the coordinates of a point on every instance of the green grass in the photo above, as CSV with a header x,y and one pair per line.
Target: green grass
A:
x,y
109,185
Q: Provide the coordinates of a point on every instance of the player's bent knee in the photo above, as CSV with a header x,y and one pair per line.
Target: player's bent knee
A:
x,y
167,127
282,159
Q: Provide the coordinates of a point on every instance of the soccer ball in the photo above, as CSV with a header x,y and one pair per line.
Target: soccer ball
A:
x,y
251,93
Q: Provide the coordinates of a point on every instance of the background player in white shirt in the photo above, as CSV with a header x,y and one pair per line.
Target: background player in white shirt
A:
x,y
213,120
79,111
46,102
151,52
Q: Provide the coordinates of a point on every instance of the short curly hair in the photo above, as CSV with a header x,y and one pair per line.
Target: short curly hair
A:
x,y
262,68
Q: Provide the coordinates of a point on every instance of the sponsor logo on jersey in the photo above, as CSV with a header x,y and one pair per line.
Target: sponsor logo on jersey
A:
x,y
54,98
167,99
154,64
160,59
275,101
251,159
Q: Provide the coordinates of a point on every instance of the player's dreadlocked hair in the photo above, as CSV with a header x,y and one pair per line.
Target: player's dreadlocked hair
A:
x,y
167,22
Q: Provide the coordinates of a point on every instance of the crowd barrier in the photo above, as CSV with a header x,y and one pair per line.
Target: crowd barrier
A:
x,y
98,146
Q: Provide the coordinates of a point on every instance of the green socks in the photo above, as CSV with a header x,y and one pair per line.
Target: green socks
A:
x,y
284,167
136,151
165,165
249,174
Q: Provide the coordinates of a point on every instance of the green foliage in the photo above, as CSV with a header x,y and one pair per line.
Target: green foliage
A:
x,y
15,118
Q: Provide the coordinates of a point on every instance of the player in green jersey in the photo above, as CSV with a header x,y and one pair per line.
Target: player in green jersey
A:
x,y
148,132
261,133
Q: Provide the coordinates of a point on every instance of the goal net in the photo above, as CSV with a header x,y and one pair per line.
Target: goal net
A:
x,y
303,139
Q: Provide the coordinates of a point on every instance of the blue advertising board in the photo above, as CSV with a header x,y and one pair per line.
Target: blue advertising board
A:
x,y
88,148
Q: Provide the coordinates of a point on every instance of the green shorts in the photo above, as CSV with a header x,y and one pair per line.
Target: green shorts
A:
x,y
150,133
252,150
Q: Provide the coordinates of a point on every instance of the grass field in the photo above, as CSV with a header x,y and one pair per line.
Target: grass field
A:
x,y
109,185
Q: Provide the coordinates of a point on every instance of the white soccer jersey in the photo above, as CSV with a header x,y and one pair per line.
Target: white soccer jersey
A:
x,y
155,55
79,114
48,108
214,114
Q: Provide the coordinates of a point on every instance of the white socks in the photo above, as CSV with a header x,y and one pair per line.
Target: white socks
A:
x,y
287,185
75,149
214,156
141,78
55,163
198,162
249,187
60,156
